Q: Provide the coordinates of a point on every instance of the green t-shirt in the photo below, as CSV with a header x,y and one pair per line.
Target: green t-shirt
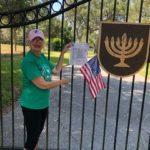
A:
x,y
32,67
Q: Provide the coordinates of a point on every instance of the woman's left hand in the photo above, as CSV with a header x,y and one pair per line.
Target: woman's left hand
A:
x,y
66,47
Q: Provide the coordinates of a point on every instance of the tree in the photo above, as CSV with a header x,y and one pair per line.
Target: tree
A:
x,y
135,11
108,14
82,11
16,5
56,29
81,20
146,12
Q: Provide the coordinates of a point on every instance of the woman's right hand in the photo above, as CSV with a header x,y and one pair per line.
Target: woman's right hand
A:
x,y
66,47
65,81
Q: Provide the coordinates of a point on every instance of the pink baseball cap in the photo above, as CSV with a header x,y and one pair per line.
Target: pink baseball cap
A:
x,y
35,33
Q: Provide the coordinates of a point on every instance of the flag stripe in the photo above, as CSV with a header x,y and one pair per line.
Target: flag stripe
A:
x,y
85,71
93,87
100,82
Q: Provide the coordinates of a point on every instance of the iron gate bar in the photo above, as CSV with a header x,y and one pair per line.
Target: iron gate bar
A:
x,y
1,103
114,12
12,88
47,131
118,110
106,110
142,106
35,10
127,11
94,120
82,122
72,81
101,10
49,39
47,120
24,40
119,96
107,92
108,78
60,91
71,100
129,116
140,14
84,88
149,143
49,46
132,90
24,44
143,100
95,100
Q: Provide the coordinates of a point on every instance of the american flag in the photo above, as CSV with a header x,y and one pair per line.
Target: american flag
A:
x,y
92,74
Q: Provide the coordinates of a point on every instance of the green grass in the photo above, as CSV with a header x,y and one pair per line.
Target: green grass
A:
x,y
7,77
55,55
142,72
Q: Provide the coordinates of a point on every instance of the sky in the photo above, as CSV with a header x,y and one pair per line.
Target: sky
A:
x,y
56,6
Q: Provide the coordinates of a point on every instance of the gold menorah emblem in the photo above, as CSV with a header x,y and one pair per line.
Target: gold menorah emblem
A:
x,y
123,48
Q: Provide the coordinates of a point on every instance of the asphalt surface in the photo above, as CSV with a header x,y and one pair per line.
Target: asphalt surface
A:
x,y
86,135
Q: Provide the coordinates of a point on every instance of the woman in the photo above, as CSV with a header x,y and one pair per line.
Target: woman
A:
x,y
35,97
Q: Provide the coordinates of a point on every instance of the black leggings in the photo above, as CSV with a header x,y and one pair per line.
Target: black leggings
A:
x,y
34,122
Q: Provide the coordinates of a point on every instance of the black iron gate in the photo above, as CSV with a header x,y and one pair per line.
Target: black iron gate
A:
x,y
117,119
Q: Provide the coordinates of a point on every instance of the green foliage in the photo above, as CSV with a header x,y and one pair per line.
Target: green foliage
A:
x,y
146,12
55,27
134,13
56,44
56,30
56,34
16,4
107,14
68,37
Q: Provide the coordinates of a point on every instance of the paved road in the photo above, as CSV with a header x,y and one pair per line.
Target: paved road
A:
x,y
76,118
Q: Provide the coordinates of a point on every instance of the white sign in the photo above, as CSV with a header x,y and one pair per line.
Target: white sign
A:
x,y
78,54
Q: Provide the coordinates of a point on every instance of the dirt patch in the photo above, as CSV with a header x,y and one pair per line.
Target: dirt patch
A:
x,y
7,49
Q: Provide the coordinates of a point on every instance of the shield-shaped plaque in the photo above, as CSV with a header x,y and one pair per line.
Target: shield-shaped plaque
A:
x,y
123,48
